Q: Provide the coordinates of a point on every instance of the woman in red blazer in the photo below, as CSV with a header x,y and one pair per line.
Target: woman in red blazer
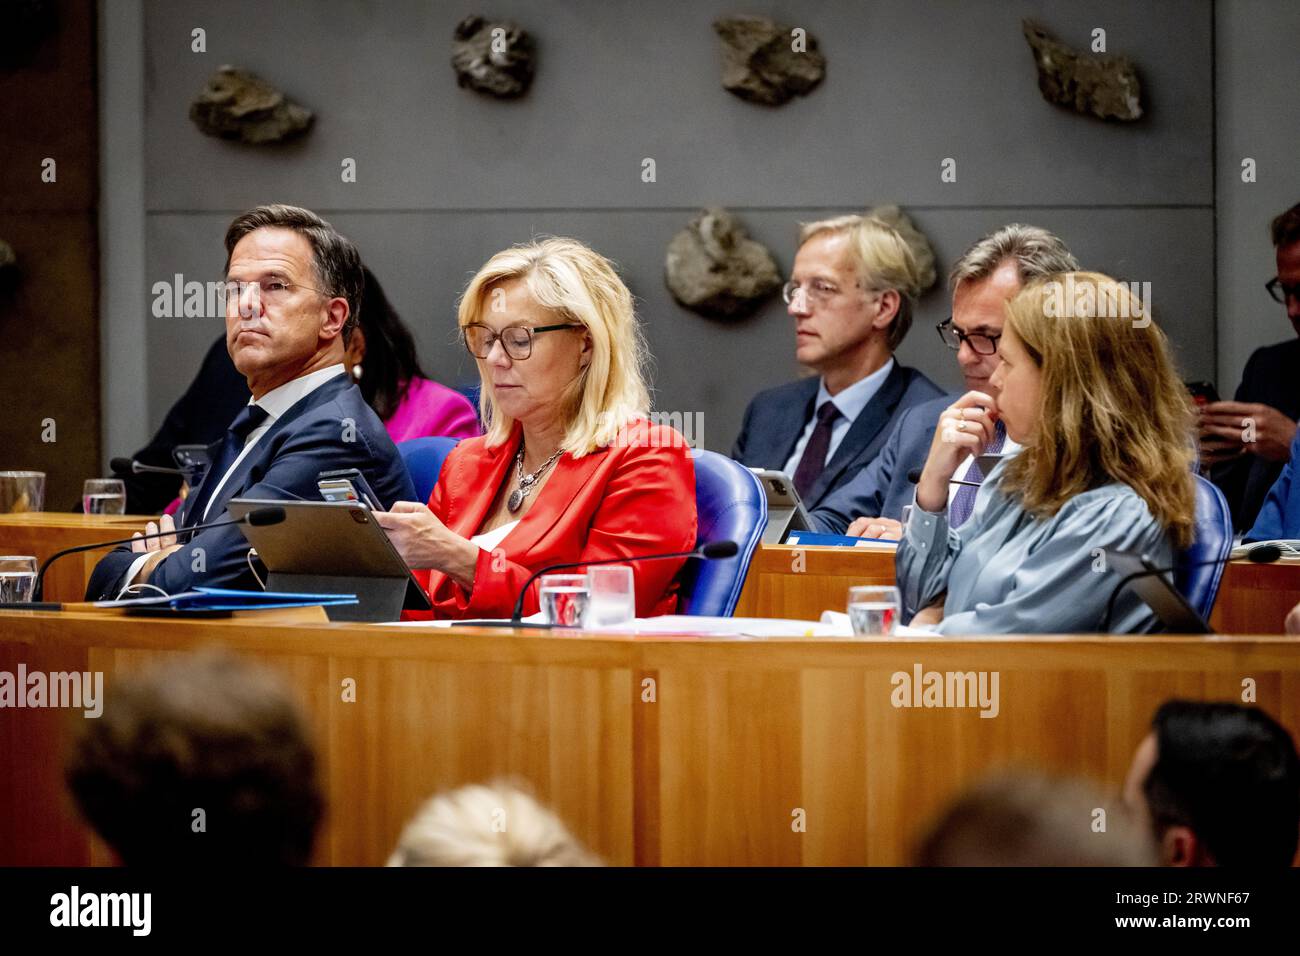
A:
x,y
569,469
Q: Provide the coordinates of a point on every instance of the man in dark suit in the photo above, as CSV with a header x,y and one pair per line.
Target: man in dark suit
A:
x,y
851,295
291,305
987,275
1248,440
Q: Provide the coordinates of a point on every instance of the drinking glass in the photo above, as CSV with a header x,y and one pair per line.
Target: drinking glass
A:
x,y
22,491
565,598
873,610
104,496
17,578
613,598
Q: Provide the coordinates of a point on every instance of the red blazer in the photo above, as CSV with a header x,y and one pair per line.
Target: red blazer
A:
x,y
635,496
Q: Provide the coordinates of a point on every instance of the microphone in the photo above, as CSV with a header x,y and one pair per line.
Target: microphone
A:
x,y
258,517
1264,554
915,475
129,466
709,551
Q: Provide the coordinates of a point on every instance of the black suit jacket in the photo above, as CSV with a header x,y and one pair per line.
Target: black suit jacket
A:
x,y
199,417
1269,379
332,427
776,418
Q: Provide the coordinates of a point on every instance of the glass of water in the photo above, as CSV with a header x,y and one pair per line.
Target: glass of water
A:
x,y
104,496
613,598
21,491
873,610
17,578
565,599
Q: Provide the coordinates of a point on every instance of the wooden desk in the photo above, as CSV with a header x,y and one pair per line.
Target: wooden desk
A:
x,y
790,581
740,735
41,533
802,581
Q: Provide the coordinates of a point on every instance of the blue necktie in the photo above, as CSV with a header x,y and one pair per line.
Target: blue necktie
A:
x,y
963,502
248,419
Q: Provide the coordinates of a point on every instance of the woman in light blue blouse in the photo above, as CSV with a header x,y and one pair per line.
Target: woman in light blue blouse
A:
x,y
1088,387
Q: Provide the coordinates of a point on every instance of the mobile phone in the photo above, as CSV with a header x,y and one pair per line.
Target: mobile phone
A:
x,y
1203,393
347,484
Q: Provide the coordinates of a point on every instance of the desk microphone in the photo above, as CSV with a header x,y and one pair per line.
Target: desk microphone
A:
x,y
260,516
129,466
1263,554
915,475
713,549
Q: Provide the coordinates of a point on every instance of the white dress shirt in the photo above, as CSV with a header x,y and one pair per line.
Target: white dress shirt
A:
x,y
275,403
850,402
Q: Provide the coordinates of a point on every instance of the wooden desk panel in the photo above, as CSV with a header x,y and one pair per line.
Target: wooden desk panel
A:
x,y
41,533
741,738
802,581
1255,598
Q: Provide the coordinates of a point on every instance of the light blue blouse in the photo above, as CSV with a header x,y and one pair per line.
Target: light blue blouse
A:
x,y
1007,572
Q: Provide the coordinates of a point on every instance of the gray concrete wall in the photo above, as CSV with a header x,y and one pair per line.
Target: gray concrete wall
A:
x,y
446,177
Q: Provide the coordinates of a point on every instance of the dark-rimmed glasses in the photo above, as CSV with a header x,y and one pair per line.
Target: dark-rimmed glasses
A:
x,y
980,343
1280,291
517,340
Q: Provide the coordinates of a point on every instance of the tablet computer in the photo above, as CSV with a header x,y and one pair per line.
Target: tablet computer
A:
x,y
329,547
785,512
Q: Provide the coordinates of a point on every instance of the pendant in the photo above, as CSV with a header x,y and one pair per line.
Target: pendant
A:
x,y
515,500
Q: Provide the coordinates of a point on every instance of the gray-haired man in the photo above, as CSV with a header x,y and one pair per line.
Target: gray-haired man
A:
x,y
987,275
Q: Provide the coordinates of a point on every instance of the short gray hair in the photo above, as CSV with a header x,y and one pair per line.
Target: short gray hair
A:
x,y
337,262
1036,252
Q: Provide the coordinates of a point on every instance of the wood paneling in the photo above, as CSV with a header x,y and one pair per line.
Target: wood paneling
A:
x,y
778,751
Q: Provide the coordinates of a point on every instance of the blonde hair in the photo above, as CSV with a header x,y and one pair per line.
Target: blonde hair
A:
x,y
579,285
1112,409
496,825
883,260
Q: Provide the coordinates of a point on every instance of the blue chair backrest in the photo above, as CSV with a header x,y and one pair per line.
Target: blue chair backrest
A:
x,y
423,458
730,506
1213,542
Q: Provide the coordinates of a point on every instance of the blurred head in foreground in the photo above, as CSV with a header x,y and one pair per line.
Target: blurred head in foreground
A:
x,y
1028,819
495,825
202,761
1219,784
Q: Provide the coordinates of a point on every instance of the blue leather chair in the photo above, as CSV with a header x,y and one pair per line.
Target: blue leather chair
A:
x,y
730,506
423,458
1213,542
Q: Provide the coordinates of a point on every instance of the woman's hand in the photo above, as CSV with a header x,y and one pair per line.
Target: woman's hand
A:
x,y
425,542
965,428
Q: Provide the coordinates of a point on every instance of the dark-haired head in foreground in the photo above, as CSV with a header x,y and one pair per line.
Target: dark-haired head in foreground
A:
x,y
1220,784
1030,819
204,761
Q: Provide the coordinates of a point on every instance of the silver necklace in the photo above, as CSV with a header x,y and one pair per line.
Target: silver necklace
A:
x,y
526,483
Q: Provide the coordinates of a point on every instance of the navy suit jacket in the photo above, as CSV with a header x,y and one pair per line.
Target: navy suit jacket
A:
x,y
1279,518
332,427
776,418
1270,379
881,490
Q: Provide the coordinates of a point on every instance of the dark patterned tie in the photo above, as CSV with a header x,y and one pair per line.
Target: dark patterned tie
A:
x,y
248,419
814,454
963,502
